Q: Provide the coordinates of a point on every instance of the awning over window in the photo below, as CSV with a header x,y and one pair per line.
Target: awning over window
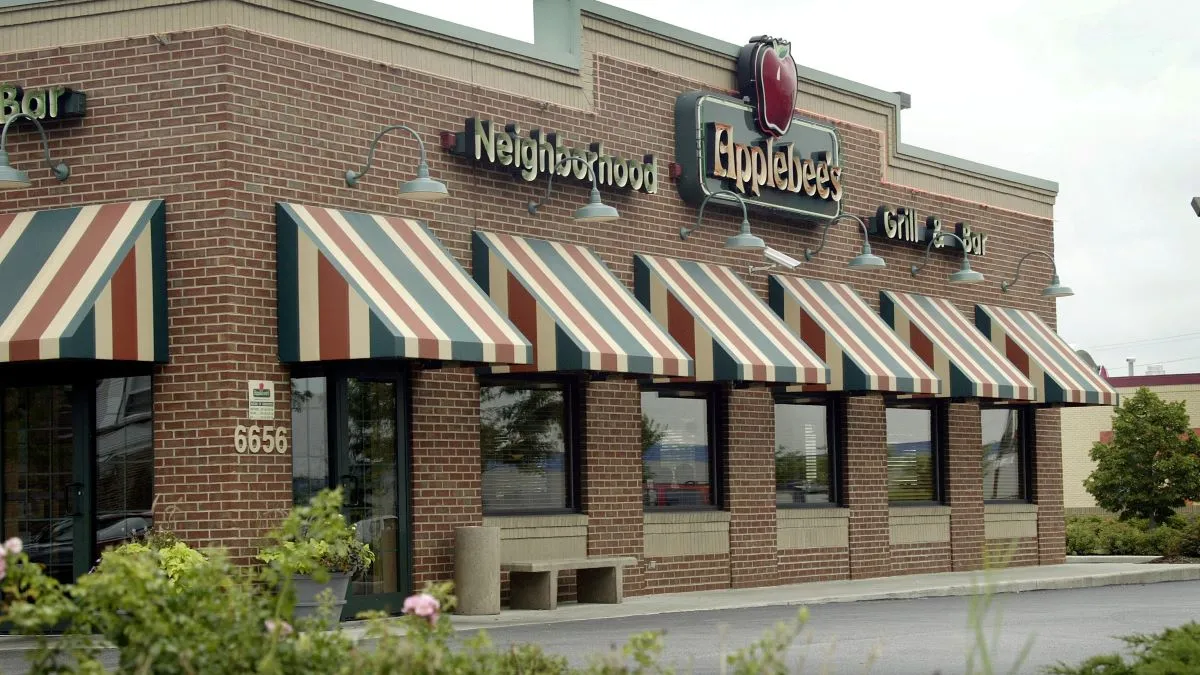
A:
x,y
88,282
572,306
862,352
728,330
356,285
956,351
1044,357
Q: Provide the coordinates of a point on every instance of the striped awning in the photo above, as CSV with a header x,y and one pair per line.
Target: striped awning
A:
x,y
572,306
87,282
724,326
957,352
862,352
356,286
1044,357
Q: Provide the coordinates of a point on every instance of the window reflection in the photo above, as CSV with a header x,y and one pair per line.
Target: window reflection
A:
x,y
676,449
1003,456
912,467
310,438
803,454
124,459
370,480
523,439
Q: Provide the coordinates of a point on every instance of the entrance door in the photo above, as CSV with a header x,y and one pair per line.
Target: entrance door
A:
x,y
43,483
76,469
350,431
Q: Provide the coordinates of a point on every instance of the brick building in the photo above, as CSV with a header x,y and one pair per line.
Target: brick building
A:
x,y
205,322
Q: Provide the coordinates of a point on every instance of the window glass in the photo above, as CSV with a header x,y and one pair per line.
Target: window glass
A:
x,y
912,467
676,449
124,459
803,454
524,441
1003,473
310,438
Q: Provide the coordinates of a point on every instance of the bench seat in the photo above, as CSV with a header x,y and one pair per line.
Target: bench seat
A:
x,y
533,584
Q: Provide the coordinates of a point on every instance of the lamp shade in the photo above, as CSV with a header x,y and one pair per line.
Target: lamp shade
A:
x,y
745,240
866,260
1056,289
966,275
11,178
595,211
423,189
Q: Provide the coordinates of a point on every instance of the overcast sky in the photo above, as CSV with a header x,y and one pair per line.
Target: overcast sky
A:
x,y
1102,96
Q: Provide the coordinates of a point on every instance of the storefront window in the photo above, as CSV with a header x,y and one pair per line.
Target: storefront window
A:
x,y
526,442
310,438
678,453
124,459
1004,454
805,463
913,474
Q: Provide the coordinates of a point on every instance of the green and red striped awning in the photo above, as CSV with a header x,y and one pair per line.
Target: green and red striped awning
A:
x,y
1044,357
723,325
572,306
957,352
88,282
862,352
356,286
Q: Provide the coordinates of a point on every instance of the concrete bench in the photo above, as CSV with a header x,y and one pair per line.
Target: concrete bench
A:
x,y
533,584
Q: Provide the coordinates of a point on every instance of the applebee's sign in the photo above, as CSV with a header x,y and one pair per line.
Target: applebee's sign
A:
x,y
758,146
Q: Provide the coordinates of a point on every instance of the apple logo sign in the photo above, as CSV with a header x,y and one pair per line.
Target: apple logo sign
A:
x,y
767,79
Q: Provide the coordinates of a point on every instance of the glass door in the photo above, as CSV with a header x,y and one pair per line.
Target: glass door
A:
x,y
44,477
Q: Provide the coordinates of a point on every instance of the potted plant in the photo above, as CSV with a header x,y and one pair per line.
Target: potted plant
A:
x,y
317,549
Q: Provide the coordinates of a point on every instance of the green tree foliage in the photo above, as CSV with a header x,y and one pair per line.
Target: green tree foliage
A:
x,y
1152,465
1175,650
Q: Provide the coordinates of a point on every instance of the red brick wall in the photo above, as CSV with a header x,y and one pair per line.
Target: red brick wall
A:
x,y
223,123
1011,552
865,445
964,485
920,558
688,573
813,564
750,485
1048,487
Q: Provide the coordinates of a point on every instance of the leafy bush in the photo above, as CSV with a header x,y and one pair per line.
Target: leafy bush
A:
x,y
1175,650
173,556
316,540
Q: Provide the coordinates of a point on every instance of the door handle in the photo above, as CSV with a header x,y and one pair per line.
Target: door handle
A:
x,y
74,499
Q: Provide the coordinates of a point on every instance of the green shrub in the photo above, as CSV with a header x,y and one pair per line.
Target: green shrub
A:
x,y
1100,535
316,540
1175,650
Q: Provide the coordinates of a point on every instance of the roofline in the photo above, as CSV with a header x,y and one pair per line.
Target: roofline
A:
x,y
1131,381
558,34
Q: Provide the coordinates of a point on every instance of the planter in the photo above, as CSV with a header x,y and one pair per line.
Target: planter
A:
x,y
307,590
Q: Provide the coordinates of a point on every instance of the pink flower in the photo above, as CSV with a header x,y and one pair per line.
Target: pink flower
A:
x,y
13,545
423,605
284,627
3,566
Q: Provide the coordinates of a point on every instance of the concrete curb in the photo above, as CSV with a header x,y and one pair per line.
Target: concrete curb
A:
x,y
1076,559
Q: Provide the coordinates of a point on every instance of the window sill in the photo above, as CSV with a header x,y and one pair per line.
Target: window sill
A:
x,y
1009,507
508,521
811,511
918,509
693,516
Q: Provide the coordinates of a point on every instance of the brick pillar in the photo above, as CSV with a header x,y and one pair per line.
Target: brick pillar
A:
x,y
864,431
1048,487
750,485
612,474
446,482
964,486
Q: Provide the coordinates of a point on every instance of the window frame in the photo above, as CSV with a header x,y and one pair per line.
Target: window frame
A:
x,y
574,398
716,410
938,435
1025,453
833,441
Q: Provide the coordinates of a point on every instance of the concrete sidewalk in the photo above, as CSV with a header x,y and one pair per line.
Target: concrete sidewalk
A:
x,y
1012,580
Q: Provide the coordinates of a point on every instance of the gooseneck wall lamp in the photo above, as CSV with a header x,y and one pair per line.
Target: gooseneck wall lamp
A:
x,y
595,211
12,178
965,275
744,240
1054,290
421,189
864,260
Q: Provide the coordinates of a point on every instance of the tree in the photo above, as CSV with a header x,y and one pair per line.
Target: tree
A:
x,y
1152,464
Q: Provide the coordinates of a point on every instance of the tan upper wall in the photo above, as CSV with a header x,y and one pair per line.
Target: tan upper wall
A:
x,y
558,69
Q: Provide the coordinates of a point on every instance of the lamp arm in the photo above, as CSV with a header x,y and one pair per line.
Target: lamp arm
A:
x,y
353,176
809,254
684,231
60,170
533,206
1005,285
928,247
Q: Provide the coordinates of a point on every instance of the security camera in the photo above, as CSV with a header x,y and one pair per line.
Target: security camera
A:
x,y
780,258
